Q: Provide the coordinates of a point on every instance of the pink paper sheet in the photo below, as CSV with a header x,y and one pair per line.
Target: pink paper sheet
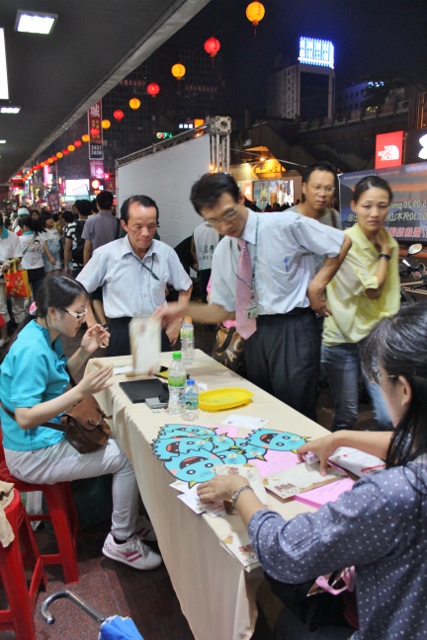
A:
x,y
326,493
275,461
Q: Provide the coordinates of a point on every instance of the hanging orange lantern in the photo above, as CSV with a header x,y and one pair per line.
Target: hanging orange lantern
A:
x,y
77,143
42,164
134,103
118,114
254,13
71,148
50,160
85,137
105,124
153,89
59,155
178,71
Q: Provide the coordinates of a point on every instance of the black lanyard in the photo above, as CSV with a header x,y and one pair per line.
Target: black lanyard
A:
x,y
151,272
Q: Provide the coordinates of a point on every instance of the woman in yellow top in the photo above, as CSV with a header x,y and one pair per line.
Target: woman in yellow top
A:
x,y
365,289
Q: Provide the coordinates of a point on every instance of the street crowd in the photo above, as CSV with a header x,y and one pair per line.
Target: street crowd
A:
x,y
301,292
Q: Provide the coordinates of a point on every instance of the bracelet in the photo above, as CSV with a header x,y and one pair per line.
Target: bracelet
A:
x,y
384,255
237,493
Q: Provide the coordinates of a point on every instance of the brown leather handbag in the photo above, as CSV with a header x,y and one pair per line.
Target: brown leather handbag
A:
x,y
84,425
229,349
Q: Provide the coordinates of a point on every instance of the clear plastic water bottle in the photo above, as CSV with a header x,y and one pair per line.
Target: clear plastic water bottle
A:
x,y
190,401
177,378
187,341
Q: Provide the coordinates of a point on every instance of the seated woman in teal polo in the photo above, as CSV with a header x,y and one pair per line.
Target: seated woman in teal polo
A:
x,y
34,377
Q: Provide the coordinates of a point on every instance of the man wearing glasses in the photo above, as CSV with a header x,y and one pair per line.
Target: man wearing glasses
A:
x,y
133,273
274,295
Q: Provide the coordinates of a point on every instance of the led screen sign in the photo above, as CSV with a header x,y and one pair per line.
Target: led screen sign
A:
x,y
319,53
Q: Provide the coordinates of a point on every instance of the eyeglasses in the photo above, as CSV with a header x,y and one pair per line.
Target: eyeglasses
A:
x,y
214,222
318,189
77,316
377,375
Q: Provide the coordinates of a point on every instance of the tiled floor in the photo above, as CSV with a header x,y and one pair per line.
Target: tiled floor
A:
x,y
147,597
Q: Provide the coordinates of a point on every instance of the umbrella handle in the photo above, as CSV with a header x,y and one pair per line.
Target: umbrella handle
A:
x,y
49,619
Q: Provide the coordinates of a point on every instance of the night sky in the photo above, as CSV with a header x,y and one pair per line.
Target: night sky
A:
x,y
369,36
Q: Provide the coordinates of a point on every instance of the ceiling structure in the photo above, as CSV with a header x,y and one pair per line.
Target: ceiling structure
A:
x,y
56,78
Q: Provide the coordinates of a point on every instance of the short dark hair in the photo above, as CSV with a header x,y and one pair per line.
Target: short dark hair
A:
x,y
207,191
94,206
84,207
67,216
45,215
371,182
318,166
144,201
105,200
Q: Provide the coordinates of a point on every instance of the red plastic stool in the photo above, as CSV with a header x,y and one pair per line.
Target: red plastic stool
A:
x,y
64,518
62,514
22,599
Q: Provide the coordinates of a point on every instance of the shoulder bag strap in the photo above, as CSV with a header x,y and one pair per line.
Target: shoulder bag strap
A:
x,y
51,425
28,246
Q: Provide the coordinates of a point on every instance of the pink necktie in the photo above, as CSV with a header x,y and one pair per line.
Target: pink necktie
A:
x,y
243,292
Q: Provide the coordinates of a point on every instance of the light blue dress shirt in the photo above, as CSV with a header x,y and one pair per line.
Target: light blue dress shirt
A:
x,y
284,262
128,287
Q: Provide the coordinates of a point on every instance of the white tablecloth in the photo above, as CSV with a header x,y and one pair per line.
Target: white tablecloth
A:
x,y
216,594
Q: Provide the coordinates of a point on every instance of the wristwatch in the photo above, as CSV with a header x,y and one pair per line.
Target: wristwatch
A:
x,y
237,493
384,255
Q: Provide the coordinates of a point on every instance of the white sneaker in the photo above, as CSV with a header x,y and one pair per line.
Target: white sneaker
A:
x,y
3,342
144,529
134,553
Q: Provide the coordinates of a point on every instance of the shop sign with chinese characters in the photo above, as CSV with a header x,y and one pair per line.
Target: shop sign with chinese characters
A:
x,y
94,117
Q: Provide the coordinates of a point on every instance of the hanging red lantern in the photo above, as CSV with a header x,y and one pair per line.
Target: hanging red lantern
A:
x,y
118,114
65,152
255,12
94,132
153,89
212,46
78,143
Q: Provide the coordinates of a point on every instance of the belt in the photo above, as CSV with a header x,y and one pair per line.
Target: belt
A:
x,y
119,322
298,311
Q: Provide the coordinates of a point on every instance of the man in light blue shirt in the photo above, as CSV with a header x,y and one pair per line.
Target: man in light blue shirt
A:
x,y
283,355
134,272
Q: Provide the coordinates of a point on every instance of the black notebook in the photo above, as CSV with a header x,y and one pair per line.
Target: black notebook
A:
x,y
139,390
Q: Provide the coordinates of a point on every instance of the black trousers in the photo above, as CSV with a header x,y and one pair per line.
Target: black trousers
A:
x,y
119,338
283,358
35,278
